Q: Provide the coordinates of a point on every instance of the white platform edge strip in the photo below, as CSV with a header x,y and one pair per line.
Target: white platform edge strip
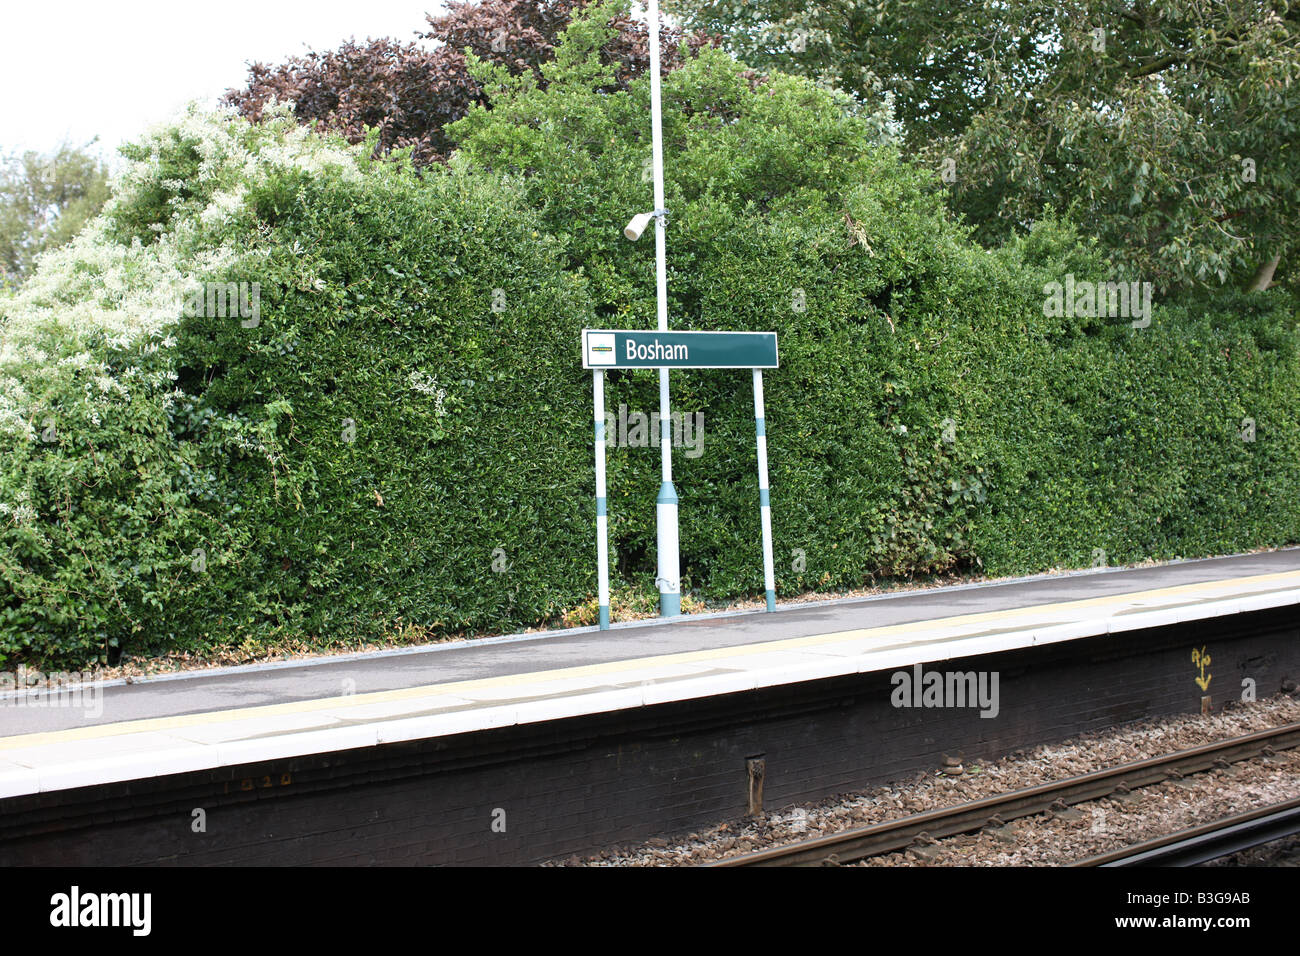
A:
x,y
18,777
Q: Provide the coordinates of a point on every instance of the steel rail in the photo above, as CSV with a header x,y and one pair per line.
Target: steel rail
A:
x,y
1209,841
893,835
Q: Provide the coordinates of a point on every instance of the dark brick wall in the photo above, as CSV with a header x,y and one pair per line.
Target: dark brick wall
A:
x,y
584,783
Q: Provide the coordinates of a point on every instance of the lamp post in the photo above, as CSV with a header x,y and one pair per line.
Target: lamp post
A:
x,y
668,576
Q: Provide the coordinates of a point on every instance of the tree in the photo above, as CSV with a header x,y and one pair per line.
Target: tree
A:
x,y
1165,127
409,93
45,199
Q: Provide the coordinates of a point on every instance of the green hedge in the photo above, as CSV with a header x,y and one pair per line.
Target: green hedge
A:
x,y
401,447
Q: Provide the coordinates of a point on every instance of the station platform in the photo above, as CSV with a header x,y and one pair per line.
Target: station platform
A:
x,y
236,716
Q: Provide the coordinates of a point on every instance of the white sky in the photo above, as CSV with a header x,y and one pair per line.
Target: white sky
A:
x,y
74,69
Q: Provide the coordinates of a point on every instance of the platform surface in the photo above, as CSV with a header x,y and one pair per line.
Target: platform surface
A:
x,y
173,724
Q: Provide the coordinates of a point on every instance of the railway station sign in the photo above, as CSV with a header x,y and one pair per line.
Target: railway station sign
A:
x,y
604,349
621,348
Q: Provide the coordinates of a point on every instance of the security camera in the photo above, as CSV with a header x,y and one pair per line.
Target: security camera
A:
x,y
637,225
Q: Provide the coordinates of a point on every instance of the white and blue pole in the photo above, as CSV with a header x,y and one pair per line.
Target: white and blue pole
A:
x,y
764,499
602,509
668,577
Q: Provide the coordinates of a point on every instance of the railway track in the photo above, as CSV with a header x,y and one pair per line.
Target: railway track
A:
x,y
1209,841
893,835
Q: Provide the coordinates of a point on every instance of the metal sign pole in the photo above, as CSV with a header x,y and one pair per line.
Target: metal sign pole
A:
x,y
668,578
602,518
764,500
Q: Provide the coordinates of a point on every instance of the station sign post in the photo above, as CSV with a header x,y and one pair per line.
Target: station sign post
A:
x,y
632,349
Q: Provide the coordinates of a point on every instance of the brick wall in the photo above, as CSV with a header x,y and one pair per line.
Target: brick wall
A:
x,y
585,783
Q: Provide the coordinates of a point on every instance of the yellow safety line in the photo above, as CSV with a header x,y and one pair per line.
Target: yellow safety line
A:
x,y
150,724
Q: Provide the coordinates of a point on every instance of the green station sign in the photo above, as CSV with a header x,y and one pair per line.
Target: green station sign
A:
x,y
623,348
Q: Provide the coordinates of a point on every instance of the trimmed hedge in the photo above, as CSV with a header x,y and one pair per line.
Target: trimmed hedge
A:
x,y
401,446
348,465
